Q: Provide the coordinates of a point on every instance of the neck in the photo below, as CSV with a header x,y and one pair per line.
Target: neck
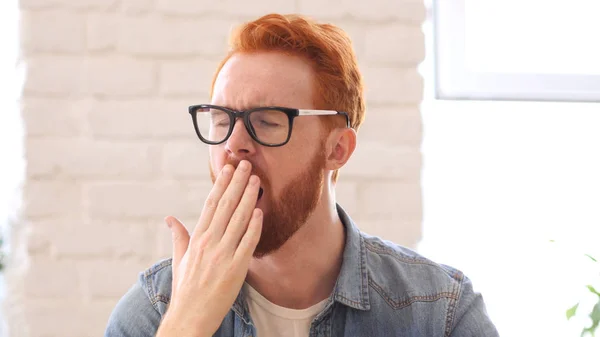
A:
x,y
304,270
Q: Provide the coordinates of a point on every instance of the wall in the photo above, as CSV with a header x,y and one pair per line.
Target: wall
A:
x,y
110,147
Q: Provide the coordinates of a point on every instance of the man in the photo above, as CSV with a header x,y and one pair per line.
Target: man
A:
x,y
273,254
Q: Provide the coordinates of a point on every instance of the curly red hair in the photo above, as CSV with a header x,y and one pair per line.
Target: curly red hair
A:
x,y
328,47
339,83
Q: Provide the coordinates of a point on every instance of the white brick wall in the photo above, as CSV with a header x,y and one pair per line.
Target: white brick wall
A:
x,y
110,148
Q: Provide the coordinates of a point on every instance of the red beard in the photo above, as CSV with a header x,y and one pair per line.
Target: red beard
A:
x,y
298,199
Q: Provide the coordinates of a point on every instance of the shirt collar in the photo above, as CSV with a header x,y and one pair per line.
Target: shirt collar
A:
x,y
352,285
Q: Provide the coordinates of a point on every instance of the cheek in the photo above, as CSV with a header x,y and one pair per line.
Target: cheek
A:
x,y
277,168
216,158
284,166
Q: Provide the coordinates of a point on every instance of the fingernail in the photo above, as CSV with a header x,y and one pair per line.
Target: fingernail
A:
x,y
226,170
244,165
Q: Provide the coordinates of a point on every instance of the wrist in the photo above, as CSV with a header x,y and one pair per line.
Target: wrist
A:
x,y
174,324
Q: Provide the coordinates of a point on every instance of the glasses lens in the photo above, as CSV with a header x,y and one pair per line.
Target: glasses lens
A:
x,y
213,124
270,126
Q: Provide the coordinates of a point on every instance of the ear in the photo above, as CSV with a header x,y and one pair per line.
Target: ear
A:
x,y
340,146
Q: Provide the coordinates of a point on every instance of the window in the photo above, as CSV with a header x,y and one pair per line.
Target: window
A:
x,y
517,50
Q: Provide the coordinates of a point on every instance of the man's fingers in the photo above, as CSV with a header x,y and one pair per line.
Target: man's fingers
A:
x,y
230,200
212,201
181,240
250,239
239,220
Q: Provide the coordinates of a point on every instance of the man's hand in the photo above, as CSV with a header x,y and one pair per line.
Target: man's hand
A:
x,y
209,268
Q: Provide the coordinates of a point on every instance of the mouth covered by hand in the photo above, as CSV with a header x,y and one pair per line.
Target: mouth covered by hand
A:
x,y
255,171
260,193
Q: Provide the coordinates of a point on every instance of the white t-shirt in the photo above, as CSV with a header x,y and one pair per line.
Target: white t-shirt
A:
x,y
272,320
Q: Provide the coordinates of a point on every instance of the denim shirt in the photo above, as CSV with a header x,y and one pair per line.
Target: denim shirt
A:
x,y
382,290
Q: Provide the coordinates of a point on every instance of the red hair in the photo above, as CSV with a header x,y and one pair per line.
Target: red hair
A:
x,y
339,84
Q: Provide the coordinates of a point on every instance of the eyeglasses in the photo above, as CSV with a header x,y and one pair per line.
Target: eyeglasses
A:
x,y
268,126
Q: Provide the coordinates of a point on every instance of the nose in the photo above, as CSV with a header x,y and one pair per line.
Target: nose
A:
x,y
240,143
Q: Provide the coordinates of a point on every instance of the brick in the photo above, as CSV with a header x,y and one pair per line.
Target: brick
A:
x,y
378,161
96,316
258,8
98,239
157,199
186,159
51,198
160,36
40,232
102,31
394,44
38,4
143,119
406,10
81,158
54,116
375,10
346,193
65,318
403,232
110,278
137,6
191,77
227,7
187,7
391,85
164,241
54,74
48,278
356,32
53,31
391,200
105,76
38,243
396,126
320,10
79,4
120,76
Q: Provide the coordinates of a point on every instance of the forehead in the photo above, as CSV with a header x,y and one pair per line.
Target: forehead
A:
x,y
264,78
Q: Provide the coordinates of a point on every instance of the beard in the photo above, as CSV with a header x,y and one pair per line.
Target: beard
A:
x,y
285,215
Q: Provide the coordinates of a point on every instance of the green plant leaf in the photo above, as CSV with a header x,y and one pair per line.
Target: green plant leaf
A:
x,y
572,311
586,332
592,258
592,290
595,316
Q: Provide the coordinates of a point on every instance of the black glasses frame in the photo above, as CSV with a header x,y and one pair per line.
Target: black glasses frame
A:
x,y
235,114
